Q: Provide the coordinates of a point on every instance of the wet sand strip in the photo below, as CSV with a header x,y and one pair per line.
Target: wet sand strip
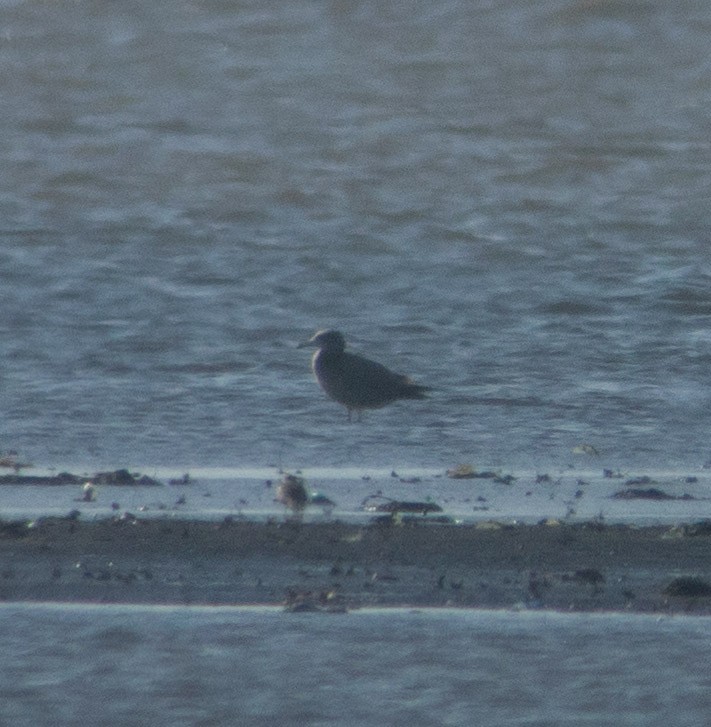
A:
x,y
338,566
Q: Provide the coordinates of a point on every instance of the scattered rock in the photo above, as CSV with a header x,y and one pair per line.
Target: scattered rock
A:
x,y
688,587
467,472
63,478
396,506
117,477
122,477
650,493
433,520
326,601
184,480
636,481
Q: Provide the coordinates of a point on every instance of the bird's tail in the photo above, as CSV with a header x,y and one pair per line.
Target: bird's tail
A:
x,y
415,391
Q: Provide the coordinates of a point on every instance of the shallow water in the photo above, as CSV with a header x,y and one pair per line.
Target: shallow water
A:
x,y
212,666
508,201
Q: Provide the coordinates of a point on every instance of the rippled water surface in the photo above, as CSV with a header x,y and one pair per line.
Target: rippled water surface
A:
x,y
506,200
219,666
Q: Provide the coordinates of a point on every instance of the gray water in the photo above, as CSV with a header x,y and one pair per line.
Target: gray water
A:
x,y
224,666
506,200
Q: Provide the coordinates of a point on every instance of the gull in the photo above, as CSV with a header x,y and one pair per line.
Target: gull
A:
x,y
355,381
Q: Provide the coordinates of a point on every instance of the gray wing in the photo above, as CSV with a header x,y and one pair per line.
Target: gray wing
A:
x,y
366,383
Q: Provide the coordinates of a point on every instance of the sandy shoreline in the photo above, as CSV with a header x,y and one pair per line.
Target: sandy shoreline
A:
x,y
580,567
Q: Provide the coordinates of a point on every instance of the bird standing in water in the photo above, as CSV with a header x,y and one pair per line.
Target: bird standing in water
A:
x,y
355,381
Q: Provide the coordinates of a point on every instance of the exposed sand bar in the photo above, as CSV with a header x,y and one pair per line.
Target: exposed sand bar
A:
x,y
583,567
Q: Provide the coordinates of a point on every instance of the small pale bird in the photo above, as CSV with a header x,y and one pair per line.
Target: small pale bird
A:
x,y
355,381
292,494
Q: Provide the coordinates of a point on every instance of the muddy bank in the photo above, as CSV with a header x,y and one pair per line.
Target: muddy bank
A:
x,y
582,567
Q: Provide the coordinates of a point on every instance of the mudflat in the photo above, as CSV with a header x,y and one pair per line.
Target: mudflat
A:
x,y
319,565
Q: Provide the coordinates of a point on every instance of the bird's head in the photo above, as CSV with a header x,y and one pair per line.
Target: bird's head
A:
x,y
328,339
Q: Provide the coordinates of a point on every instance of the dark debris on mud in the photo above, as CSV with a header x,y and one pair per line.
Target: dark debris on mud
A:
x,y
119,477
